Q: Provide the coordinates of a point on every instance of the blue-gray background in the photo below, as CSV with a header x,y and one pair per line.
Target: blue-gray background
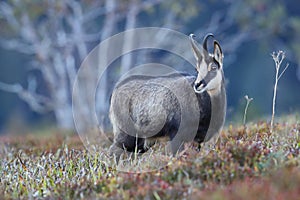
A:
x,y
249,32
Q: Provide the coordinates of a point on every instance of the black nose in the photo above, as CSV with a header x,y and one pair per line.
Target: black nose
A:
x,y
200,83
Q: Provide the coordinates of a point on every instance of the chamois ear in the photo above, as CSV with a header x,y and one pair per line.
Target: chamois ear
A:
x,y
218,54
197,52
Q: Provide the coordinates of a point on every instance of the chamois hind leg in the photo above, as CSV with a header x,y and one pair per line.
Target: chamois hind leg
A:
x,y
124,142
117,148
115,151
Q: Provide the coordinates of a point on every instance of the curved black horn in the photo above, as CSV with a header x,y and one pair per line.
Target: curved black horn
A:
x,y
205,40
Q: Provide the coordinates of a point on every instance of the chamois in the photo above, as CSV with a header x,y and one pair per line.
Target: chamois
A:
x,y
146,108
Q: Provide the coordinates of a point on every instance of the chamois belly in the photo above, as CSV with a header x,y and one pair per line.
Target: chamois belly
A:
x,y
155,111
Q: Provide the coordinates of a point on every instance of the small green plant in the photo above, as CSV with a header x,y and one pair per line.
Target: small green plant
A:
x,y
246,108
278,58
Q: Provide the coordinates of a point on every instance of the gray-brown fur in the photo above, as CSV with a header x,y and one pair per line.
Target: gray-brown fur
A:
x,y
147,107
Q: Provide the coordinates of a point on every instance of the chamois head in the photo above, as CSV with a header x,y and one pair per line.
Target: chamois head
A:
x,y
209,66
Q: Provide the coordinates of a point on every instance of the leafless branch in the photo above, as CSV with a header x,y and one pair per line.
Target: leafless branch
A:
x,y
286,66
18,45
248,101
129,38
278,58
37,102
93,14
8,14
58,40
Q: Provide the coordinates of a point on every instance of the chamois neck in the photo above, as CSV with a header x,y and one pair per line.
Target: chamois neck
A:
x,y
218,112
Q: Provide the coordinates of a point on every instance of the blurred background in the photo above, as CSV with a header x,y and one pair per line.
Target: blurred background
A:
x,y
43,43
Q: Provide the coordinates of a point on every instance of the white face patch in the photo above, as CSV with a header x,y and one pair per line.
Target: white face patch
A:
x,y
214,85
202,71
210,75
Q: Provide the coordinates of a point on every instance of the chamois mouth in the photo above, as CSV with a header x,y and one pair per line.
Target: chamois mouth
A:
x,y
200,87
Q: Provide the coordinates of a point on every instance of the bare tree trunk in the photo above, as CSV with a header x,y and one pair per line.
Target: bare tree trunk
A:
x,y
129,36
54,48
108,28
59,43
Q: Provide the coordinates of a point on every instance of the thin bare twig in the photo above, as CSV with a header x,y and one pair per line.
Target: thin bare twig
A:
x,y
278,58
286,66
246,108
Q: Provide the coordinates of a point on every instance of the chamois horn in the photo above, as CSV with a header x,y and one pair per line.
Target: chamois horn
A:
x,y
205,41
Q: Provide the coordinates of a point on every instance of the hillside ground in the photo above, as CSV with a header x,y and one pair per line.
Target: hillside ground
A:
x,y
247,162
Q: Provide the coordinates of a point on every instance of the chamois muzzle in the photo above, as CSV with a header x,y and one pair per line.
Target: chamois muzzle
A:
x,y
200,87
